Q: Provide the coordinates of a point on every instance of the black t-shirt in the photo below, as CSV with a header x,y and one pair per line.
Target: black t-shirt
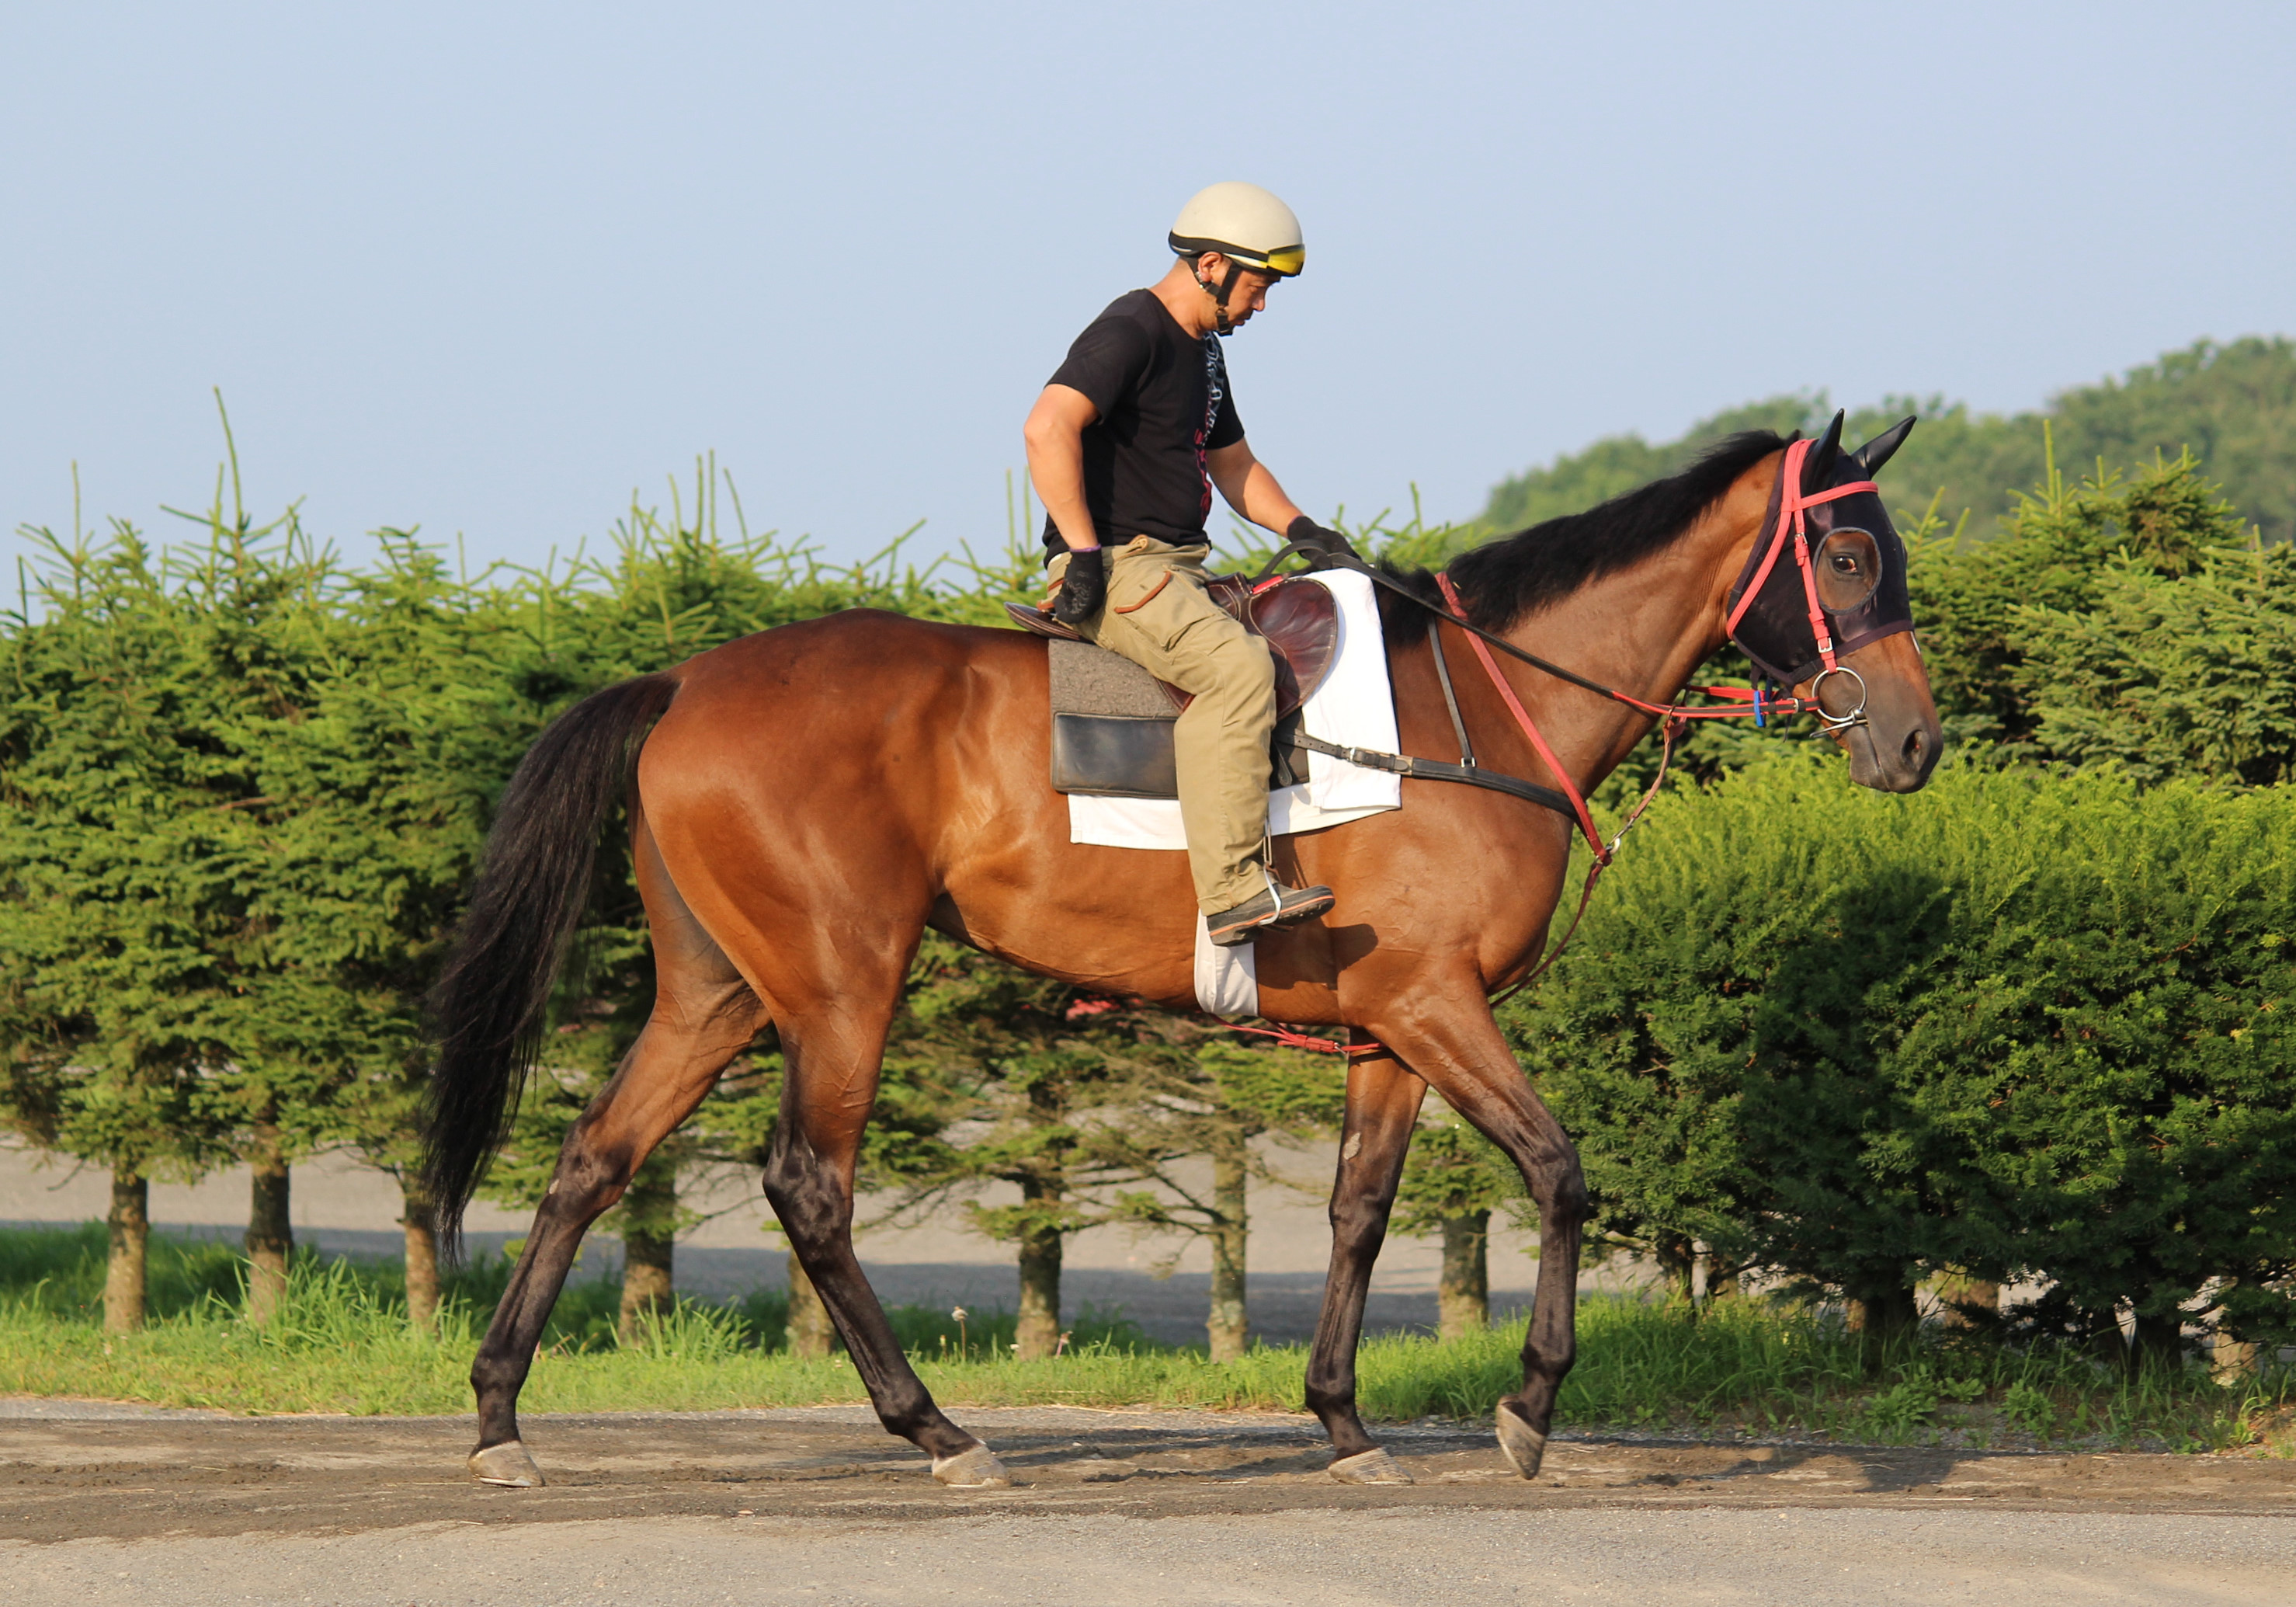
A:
x,y
1164,403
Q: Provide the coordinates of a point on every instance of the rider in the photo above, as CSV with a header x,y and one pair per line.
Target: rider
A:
x,y
1125,445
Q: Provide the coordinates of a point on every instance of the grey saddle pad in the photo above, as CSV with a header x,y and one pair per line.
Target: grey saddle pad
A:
x,y
1112,728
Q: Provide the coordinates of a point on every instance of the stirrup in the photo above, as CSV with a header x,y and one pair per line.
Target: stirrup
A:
x,y
1279,906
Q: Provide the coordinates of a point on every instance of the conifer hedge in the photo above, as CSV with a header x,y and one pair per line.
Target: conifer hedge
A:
x,y
2029,1026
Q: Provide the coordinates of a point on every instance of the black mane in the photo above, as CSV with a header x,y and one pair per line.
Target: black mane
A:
x,y
1503,580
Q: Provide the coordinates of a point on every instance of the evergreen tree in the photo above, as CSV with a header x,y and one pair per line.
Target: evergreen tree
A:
x,y
136,983
1194,1093
1981,609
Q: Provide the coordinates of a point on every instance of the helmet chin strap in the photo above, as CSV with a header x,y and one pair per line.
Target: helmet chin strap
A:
x,y
1220,321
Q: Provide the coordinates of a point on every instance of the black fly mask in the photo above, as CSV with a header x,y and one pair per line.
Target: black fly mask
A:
x,y
1827,574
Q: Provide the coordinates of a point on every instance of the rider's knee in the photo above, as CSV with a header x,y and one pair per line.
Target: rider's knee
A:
x,y
1244,662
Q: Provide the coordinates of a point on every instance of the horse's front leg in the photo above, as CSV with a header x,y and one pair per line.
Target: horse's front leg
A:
x,y
1383,1098
1459,1050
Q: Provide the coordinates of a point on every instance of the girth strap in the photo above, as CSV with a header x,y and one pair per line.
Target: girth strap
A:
x,y
1435,770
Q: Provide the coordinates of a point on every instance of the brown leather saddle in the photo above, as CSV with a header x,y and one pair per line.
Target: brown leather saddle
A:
x,y
1295,616
1112,721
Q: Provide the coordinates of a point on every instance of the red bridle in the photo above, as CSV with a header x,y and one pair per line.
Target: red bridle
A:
x,y
1792,509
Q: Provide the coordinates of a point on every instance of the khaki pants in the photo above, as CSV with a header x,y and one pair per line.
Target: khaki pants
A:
x,y
1158,617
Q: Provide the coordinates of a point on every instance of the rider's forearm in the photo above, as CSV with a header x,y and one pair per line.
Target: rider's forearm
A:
x,y
1246,486
1056,469
1263,502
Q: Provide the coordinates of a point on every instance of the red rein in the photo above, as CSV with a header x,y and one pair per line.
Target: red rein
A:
x,y
1793,510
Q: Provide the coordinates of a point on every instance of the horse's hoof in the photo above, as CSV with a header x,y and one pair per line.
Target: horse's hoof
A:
x,y
1525,1447
975,1468
1373,1466
505,1463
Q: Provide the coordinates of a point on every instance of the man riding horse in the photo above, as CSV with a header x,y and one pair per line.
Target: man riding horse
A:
x,y
809,801
1125,446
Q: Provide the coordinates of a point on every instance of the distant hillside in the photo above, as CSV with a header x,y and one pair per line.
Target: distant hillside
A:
x,y
2234,405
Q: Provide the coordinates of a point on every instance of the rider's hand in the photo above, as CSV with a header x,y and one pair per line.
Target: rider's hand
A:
x,y
1319,537
1082,588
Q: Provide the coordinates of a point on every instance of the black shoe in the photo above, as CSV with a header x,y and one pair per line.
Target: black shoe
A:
x,y
1279,906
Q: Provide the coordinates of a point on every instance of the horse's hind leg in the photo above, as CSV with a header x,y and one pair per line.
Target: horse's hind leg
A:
x,y
1383,1099
831,1060
704,1014
1457,1046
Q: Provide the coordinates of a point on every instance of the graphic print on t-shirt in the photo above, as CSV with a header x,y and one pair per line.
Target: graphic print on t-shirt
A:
x,y
1215,393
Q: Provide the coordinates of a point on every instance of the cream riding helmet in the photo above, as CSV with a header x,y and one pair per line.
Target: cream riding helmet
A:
x,y
1248,227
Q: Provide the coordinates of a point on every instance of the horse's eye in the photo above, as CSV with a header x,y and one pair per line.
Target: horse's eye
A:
x,y
1843,564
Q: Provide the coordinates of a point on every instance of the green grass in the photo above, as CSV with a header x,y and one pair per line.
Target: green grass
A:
x,y
1740,1367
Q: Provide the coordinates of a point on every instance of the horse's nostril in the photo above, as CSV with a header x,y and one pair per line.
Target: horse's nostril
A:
x,y
1915,741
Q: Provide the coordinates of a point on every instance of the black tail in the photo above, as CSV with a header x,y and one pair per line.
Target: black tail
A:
x,y
488,1008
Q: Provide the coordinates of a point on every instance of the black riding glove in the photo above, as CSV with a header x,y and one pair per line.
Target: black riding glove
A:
x,y
1317,541
1082,588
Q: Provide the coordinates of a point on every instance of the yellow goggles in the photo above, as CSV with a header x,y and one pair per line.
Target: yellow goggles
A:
x,y
1287,262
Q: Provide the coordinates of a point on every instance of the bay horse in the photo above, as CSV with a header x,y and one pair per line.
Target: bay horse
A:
x,y
808,799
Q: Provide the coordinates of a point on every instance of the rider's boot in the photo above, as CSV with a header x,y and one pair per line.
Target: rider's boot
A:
x,y
1277,906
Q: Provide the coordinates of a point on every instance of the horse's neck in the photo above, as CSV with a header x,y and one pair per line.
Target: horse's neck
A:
x,y
1643,631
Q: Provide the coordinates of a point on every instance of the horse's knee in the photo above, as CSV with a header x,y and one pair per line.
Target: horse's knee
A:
x,y
1360,1219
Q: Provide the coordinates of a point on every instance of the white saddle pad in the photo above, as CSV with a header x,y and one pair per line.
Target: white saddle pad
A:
x,y
1354,707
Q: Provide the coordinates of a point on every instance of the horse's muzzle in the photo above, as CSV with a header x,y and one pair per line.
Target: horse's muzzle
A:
x,y
1896,744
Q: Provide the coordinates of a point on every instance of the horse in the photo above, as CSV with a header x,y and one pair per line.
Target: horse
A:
x,y
806,801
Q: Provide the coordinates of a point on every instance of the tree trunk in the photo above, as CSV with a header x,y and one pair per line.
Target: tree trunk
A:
x,y
1038,1333
812,1336
649,1245
1677,1263
1228,1327
131,1237
270,1235
1463,1296
1883,1319
1959,1295
420,1221
1721,1280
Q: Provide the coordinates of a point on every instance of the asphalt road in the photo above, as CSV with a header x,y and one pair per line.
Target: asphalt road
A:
x,y
100,1506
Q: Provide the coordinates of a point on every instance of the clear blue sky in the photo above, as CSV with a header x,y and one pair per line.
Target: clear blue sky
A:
x,y
487,267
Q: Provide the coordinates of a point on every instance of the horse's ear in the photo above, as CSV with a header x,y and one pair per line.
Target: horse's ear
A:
x,y
1870,457
1818,468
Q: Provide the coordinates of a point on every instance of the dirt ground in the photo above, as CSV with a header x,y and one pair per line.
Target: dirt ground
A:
x,y
131,1476
110,1502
